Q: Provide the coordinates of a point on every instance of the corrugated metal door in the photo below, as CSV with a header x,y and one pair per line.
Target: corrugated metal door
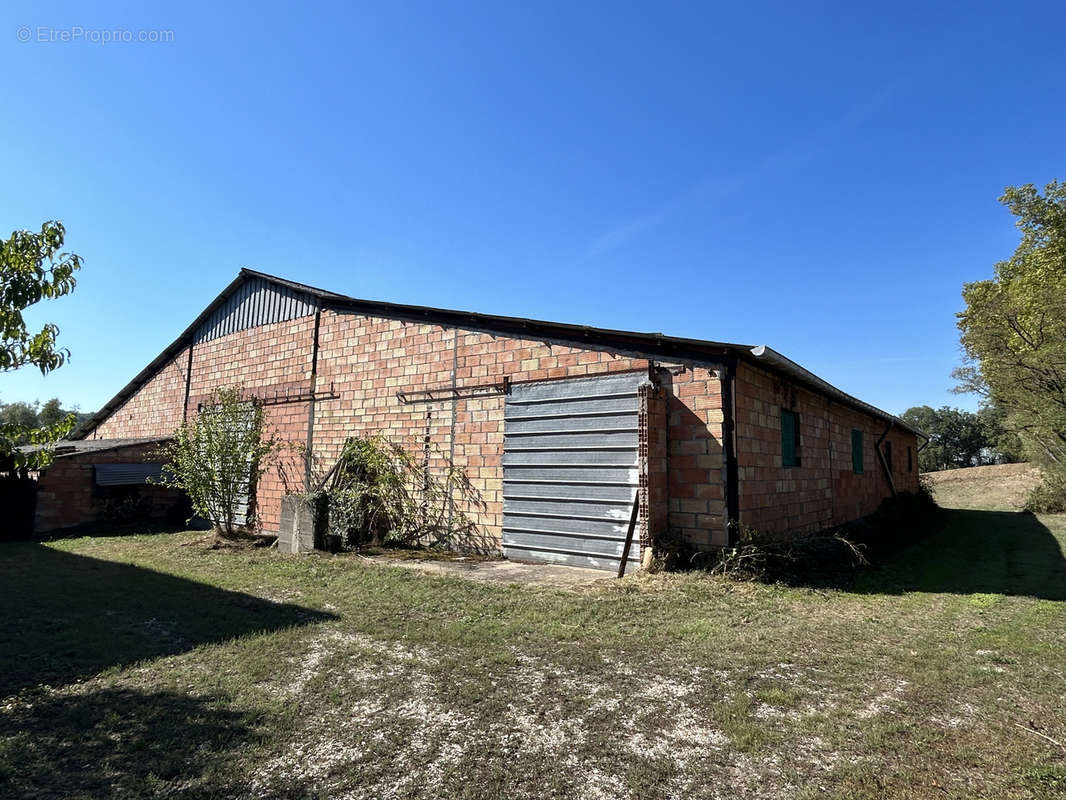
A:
x,y
126,474
227,470
571,470
246,422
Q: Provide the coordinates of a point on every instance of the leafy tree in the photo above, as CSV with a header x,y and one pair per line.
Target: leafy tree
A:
x,y
1013,330
999,435
51,413
19,416
218,458
957,438
32,269
29,417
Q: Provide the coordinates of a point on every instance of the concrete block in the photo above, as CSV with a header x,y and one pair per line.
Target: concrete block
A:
x,y
303,521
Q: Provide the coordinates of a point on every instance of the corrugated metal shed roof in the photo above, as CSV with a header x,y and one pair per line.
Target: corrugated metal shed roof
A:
x,y
75,447
126,474
651,345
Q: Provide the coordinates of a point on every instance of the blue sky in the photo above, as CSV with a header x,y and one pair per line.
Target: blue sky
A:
x,y
817,177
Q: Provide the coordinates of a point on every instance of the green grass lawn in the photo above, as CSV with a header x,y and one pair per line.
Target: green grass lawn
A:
x,y
146,666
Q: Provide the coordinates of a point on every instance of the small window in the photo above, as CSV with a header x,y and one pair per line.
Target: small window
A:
x,y
790,437
888,455
910,461
856,451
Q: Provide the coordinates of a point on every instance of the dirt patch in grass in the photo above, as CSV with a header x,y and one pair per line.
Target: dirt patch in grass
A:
x,y
425,554
999,486
238,541
501,571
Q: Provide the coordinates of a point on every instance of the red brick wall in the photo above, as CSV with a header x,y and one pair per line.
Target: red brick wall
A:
x,y
268,362
154,409
696,463
367,361
364,362
823,490
66,491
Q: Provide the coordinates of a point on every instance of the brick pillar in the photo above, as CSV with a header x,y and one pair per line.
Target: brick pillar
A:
x,y
654,492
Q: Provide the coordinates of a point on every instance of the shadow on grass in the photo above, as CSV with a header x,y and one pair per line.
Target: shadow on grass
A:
x,y
976,552
68,616
118,743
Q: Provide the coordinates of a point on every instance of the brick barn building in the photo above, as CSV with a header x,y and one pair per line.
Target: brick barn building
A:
x,y
561,428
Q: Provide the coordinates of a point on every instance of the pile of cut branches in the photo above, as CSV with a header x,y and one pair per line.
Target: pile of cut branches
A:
x,y
826,557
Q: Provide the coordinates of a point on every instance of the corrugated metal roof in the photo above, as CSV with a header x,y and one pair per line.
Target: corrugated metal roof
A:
x,y
256,302
648,345
126,474
76,447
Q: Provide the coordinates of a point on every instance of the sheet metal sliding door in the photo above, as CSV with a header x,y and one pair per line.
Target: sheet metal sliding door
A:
x,y
229,471
571,470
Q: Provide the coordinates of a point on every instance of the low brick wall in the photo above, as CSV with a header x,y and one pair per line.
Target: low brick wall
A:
x,y
67,493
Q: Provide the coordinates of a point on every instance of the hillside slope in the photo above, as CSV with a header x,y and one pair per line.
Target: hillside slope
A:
x,y
1000,486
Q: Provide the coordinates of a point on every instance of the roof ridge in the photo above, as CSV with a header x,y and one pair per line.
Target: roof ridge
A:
x,y
649,345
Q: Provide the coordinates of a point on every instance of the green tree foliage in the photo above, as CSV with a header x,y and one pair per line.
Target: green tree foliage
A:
x,y
19,416
957,438
32,269
51,413
1000,436
1013,330
28,417
218,458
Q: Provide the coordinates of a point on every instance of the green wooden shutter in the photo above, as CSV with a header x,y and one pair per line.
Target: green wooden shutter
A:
x,y
856,451
789,437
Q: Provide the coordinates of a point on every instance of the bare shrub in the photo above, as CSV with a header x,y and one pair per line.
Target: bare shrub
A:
x,y
379,493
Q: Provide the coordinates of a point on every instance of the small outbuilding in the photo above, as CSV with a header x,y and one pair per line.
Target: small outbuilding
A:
x,y
565,430
101,480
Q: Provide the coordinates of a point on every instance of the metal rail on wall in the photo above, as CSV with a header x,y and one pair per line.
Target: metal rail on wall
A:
x,y
301,396
457,392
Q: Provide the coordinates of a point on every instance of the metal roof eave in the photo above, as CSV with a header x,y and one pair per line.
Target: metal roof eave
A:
x,y
154,366
768,357
647,344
